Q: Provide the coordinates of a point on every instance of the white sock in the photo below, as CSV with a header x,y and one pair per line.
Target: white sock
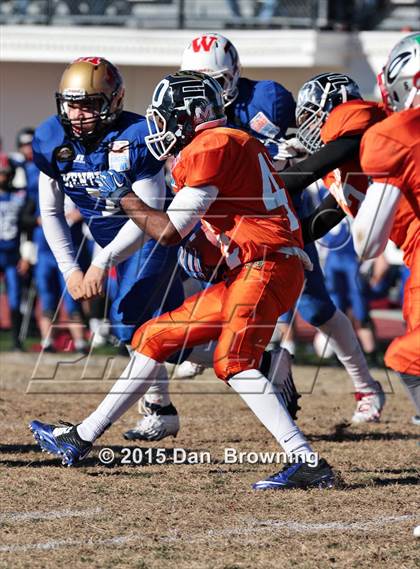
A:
x,y
133,383
344,342
158,392
289,345
261,398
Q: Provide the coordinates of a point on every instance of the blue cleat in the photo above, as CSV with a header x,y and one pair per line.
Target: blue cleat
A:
x,y
63,441
299,475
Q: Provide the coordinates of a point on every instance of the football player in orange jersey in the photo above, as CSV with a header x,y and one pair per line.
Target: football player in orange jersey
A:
x,y
390,154
224,178
331,118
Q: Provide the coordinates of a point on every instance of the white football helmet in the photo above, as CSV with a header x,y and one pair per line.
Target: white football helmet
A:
x,y
400,79
215,55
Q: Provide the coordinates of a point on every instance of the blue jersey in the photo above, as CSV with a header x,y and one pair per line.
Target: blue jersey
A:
x,y
11,204
339,240
264,109
76,168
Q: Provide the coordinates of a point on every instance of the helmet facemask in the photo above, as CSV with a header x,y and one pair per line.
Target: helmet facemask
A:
x,y
228,83
165,136
316,100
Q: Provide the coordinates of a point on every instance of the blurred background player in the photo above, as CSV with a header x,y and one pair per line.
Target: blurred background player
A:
x,y
12,203
392,205
49,282
91,134
348,287
261,240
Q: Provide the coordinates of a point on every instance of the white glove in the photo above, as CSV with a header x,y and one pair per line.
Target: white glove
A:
x,y
289,152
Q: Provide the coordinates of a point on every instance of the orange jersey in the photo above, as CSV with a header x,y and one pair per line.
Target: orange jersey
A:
x,y
390,153
252,215
348,184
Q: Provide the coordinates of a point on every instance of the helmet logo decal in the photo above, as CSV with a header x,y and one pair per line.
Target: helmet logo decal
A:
x,y
204,42
396,65
92,60
204,113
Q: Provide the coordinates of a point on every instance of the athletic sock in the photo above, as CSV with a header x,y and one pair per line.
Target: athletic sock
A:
x,y
158,392
412,388
133,383
343,340
260,396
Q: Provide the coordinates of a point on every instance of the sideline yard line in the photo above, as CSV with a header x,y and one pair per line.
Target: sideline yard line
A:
x,y
269,526
52,515
117,540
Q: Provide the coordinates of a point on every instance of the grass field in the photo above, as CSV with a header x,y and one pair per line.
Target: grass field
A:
x,y
204,515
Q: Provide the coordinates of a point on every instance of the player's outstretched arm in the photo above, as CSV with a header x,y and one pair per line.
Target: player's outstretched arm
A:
x,y
326,216
156,224
169,227
186,209
335,153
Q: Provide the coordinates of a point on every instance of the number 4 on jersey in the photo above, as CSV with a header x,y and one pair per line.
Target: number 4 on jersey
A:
x,y
273,195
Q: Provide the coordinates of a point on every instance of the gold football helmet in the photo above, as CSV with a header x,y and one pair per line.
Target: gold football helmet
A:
x,y
90,97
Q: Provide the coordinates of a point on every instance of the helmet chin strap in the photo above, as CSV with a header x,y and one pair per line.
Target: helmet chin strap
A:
x,y
413,99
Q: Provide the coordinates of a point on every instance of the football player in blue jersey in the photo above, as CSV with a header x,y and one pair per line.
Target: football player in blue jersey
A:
x,y
89,135
49,282
12,203
266,110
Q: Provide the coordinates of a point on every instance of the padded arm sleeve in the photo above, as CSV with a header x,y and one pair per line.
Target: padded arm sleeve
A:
x,y
332,155
326,216
373,223
54,225
189,206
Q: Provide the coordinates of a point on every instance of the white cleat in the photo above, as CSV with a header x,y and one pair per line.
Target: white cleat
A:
x,y
157,424
188,370
369,405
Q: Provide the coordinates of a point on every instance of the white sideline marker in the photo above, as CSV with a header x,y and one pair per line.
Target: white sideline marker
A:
x,y
117,540
270,526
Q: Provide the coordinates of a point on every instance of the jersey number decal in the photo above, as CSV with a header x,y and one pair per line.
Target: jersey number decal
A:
x,y
273,195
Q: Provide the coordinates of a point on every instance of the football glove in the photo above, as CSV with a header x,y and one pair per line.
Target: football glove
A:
x,y
113,186
289,152
201,260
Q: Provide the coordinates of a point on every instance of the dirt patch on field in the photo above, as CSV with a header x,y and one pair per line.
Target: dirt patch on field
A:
x,y
205,515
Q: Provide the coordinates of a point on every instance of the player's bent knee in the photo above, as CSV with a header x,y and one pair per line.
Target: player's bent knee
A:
x,y
226,367
148,341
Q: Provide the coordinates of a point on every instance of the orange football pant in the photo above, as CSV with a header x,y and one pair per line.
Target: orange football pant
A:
x,y
403,354
240,313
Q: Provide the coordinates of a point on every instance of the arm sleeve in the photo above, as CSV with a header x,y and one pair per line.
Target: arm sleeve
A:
x,y
326,216
54,225
152,190
373,223
332,155
188,207
130,237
